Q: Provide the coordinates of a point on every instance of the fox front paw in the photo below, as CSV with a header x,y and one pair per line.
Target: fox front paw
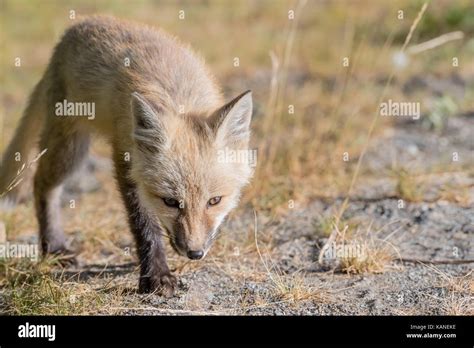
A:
x,y
164,284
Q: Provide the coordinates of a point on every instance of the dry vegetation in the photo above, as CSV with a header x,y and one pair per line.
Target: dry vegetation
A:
x,y
290,65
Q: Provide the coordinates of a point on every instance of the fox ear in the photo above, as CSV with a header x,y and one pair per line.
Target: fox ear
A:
x,y
231,122
148,130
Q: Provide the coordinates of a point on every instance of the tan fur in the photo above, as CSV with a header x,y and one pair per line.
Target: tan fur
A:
x,y
164,111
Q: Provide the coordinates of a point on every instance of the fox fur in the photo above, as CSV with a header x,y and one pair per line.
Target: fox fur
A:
x,y
165,118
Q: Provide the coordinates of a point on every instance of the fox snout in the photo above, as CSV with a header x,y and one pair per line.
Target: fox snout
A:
x,y
195,254
191,243
192,253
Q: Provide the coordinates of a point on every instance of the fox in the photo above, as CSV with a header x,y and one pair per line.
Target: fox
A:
x,y
164,115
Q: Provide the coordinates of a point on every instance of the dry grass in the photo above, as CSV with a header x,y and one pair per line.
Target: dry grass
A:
x,y
292,288
414,186
21,173
356,252
375,257
297,287
460,297
408,188
30,289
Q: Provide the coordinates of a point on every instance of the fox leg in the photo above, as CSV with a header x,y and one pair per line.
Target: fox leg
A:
x,y
66,148
154,271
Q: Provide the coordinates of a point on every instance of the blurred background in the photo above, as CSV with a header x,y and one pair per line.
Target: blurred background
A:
x,y
310,107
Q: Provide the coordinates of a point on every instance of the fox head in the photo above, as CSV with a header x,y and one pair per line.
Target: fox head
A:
x,y
182,176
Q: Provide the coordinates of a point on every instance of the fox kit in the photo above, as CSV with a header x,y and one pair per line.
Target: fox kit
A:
x,y
163,114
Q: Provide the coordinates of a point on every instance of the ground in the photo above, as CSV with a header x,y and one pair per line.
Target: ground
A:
x,y
295,283
391,206
429,271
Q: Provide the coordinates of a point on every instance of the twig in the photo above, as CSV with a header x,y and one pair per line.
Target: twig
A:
x,y
436,262
258,250
18,178
433,43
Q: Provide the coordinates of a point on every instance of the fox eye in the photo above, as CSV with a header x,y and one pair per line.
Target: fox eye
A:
x,y
214,200
171,202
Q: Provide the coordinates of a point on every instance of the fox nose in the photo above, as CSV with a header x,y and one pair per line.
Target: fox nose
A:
x,y
195,254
